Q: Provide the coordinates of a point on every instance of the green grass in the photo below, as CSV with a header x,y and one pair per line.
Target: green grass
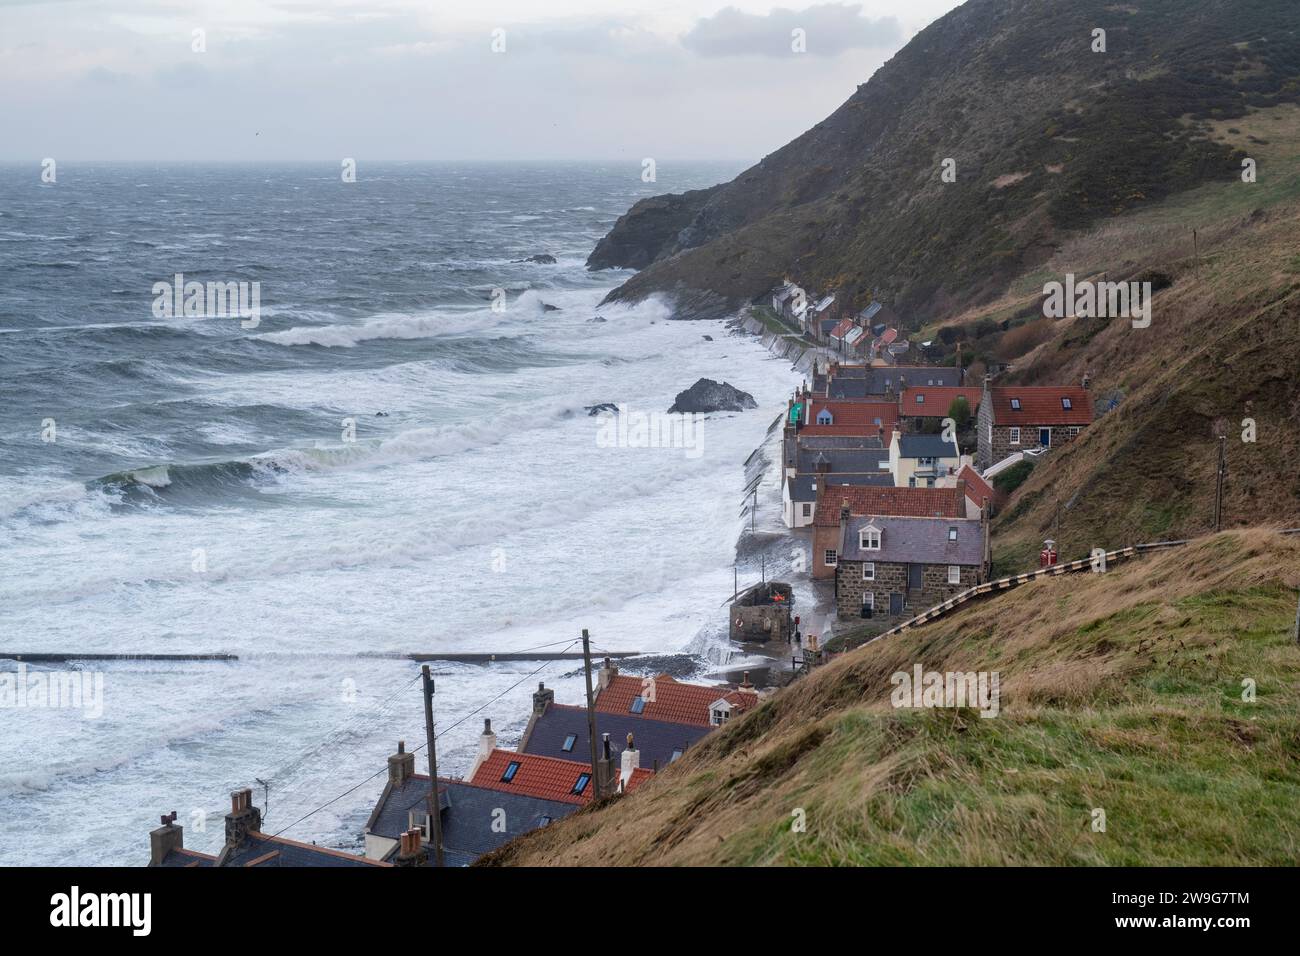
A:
x,y
1184,771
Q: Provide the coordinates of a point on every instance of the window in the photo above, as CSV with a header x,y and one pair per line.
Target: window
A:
x,y
676,753
718,718
807,510
869,571
638,704
925,462
1015,404
581,785
1066,404
419,821
869,539
952,534
544,821
824,417
869,599
569,741
920,399
1015,436
954,574
511,770
830,558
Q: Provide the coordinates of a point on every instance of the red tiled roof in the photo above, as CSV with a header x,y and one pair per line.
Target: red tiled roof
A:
x,y
1041,405
977,489
672,701
888,336
854,413
544,777
877,500
842,328
937,399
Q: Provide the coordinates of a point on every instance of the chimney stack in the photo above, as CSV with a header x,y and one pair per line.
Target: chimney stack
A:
x,y
487,742
165,839
605,766
606,675
745,684
401,766
411,852
631,763
542,699
244,818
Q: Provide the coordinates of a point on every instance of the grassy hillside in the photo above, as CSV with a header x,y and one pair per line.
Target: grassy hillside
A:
x,y
1223,347
1048,137
1120,691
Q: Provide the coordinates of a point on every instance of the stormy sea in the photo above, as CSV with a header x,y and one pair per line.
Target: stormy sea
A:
x,y
392,454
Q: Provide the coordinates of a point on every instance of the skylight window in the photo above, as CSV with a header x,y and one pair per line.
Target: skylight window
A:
x,y
638,704
511,770
920,399
1015,404
676,754
544,821
952,534
1066,404
569,741
581,785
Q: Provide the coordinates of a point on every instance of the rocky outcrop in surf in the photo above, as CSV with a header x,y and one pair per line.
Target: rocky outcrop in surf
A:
x,y
707,395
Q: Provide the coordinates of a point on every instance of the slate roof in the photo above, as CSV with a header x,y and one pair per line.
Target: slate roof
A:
x,y
842,460
182,858
916,540
1041,405
880,380
654,739
828,324
926,446
468,815
916,502
806,487
935,401
673,701
543,777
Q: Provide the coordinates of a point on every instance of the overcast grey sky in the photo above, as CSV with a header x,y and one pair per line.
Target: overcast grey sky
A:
x,y
401,79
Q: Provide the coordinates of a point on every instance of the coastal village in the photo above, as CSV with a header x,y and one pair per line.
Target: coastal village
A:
x,y
890,465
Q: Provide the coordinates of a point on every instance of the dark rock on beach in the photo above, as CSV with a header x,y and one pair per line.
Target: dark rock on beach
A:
x,y
707,395
593,410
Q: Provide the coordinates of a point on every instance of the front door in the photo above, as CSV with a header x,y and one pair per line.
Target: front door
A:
x,y
1045,437
914,577
895,604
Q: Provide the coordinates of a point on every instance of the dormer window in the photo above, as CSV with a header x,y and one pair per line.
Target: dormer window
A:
x,y
1066,404
824,417
869,539
1015,404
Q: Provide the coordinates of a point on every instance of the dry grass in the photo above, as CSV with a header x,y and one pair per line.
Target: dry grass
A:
x,y
1118,691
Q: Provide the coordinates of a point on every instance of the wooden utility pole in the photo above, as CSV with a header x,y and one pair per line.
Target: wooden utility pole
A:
x,y
591,714
1218,489
435,817
1296,633
1196,248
